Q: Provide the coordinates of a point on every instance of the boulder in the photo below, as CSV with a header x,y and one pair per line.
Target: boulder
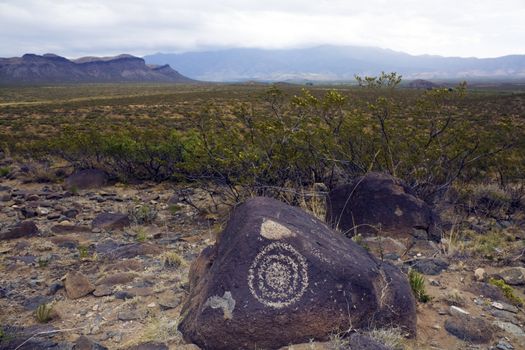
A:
x,y
278,276
111,221
379,204
77,285
86,179
19,230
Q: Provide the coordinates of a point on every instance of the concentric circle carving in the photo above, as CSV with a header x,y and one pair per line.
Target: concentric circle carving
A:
x,y
278,276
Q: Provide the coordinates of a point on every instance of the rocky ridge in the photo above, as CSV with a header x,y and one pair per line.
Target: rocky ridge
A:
x,y
50,68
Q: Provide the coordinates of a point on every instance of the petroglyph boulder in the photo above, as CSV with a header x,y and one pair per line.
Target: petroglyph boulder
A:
x,y
278,276
379,204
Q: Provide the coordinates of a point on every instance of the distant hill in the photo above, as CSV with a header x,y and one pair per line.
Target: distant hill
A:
x,y
50,68
325,63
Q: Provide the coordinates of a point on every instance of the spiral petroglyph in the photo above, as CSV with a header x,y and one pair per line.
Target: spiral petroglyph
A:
x,y
278,276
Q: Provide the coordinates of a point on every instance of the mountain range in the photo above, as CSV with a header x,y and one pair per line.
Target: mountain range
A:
x,y
334,63
50,68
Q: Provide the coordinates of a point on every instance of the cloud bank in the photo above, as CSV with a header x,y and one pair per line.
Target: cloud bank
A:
x,y
482,28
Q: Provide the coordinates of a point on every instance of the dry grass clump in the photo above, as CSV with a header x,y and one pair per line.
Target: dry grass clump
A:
x,y
158,329
172,259
390,337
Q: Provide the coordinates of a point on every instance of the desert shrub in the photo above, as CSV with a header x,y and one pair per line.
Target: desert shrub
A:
x,y
285,142
486,199
142,214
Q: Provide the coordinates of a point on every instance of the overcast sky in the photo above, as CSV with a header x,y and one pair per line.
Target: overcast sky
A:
x,y
482,28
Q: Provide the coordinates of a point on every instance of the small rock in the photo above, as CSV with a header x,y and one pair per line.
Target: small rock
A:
x,y
117,278
468,328
42,211
19,230
454,310
510,328
123,295
504,315
431,266
54,288
102,291
131,315
504,345
71,213
53,216
480,274
514,276
84,343
111,221
28,213
505,306
64,229
77,285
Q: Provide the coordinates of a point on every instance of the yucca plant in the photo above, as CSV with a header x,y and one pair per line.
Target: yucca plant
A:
x,y
417,282
43,313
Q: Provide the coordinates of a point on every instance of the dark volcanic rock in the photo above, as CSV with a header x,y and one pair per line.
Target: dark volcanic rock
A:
x,y
65,229
84,343
362,342
279,276
85,179
468,328
431,266
19,230
111,221
132,250
378,203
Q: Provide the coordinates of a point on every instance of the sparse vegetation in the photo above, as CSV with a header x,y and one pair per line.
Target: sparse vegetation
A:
x,y
270,141
392,338
172,259
491,245
141,234
4,171
507,290
83,252
142,214
417,282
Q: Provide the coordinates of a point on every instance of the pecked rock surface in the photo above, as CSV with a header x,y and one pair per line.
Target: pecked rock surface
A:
x,y
279,276
378,203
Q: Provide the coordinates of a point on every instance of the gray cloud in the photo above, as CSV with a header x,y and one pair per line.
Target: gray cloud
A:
x,y
483,28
